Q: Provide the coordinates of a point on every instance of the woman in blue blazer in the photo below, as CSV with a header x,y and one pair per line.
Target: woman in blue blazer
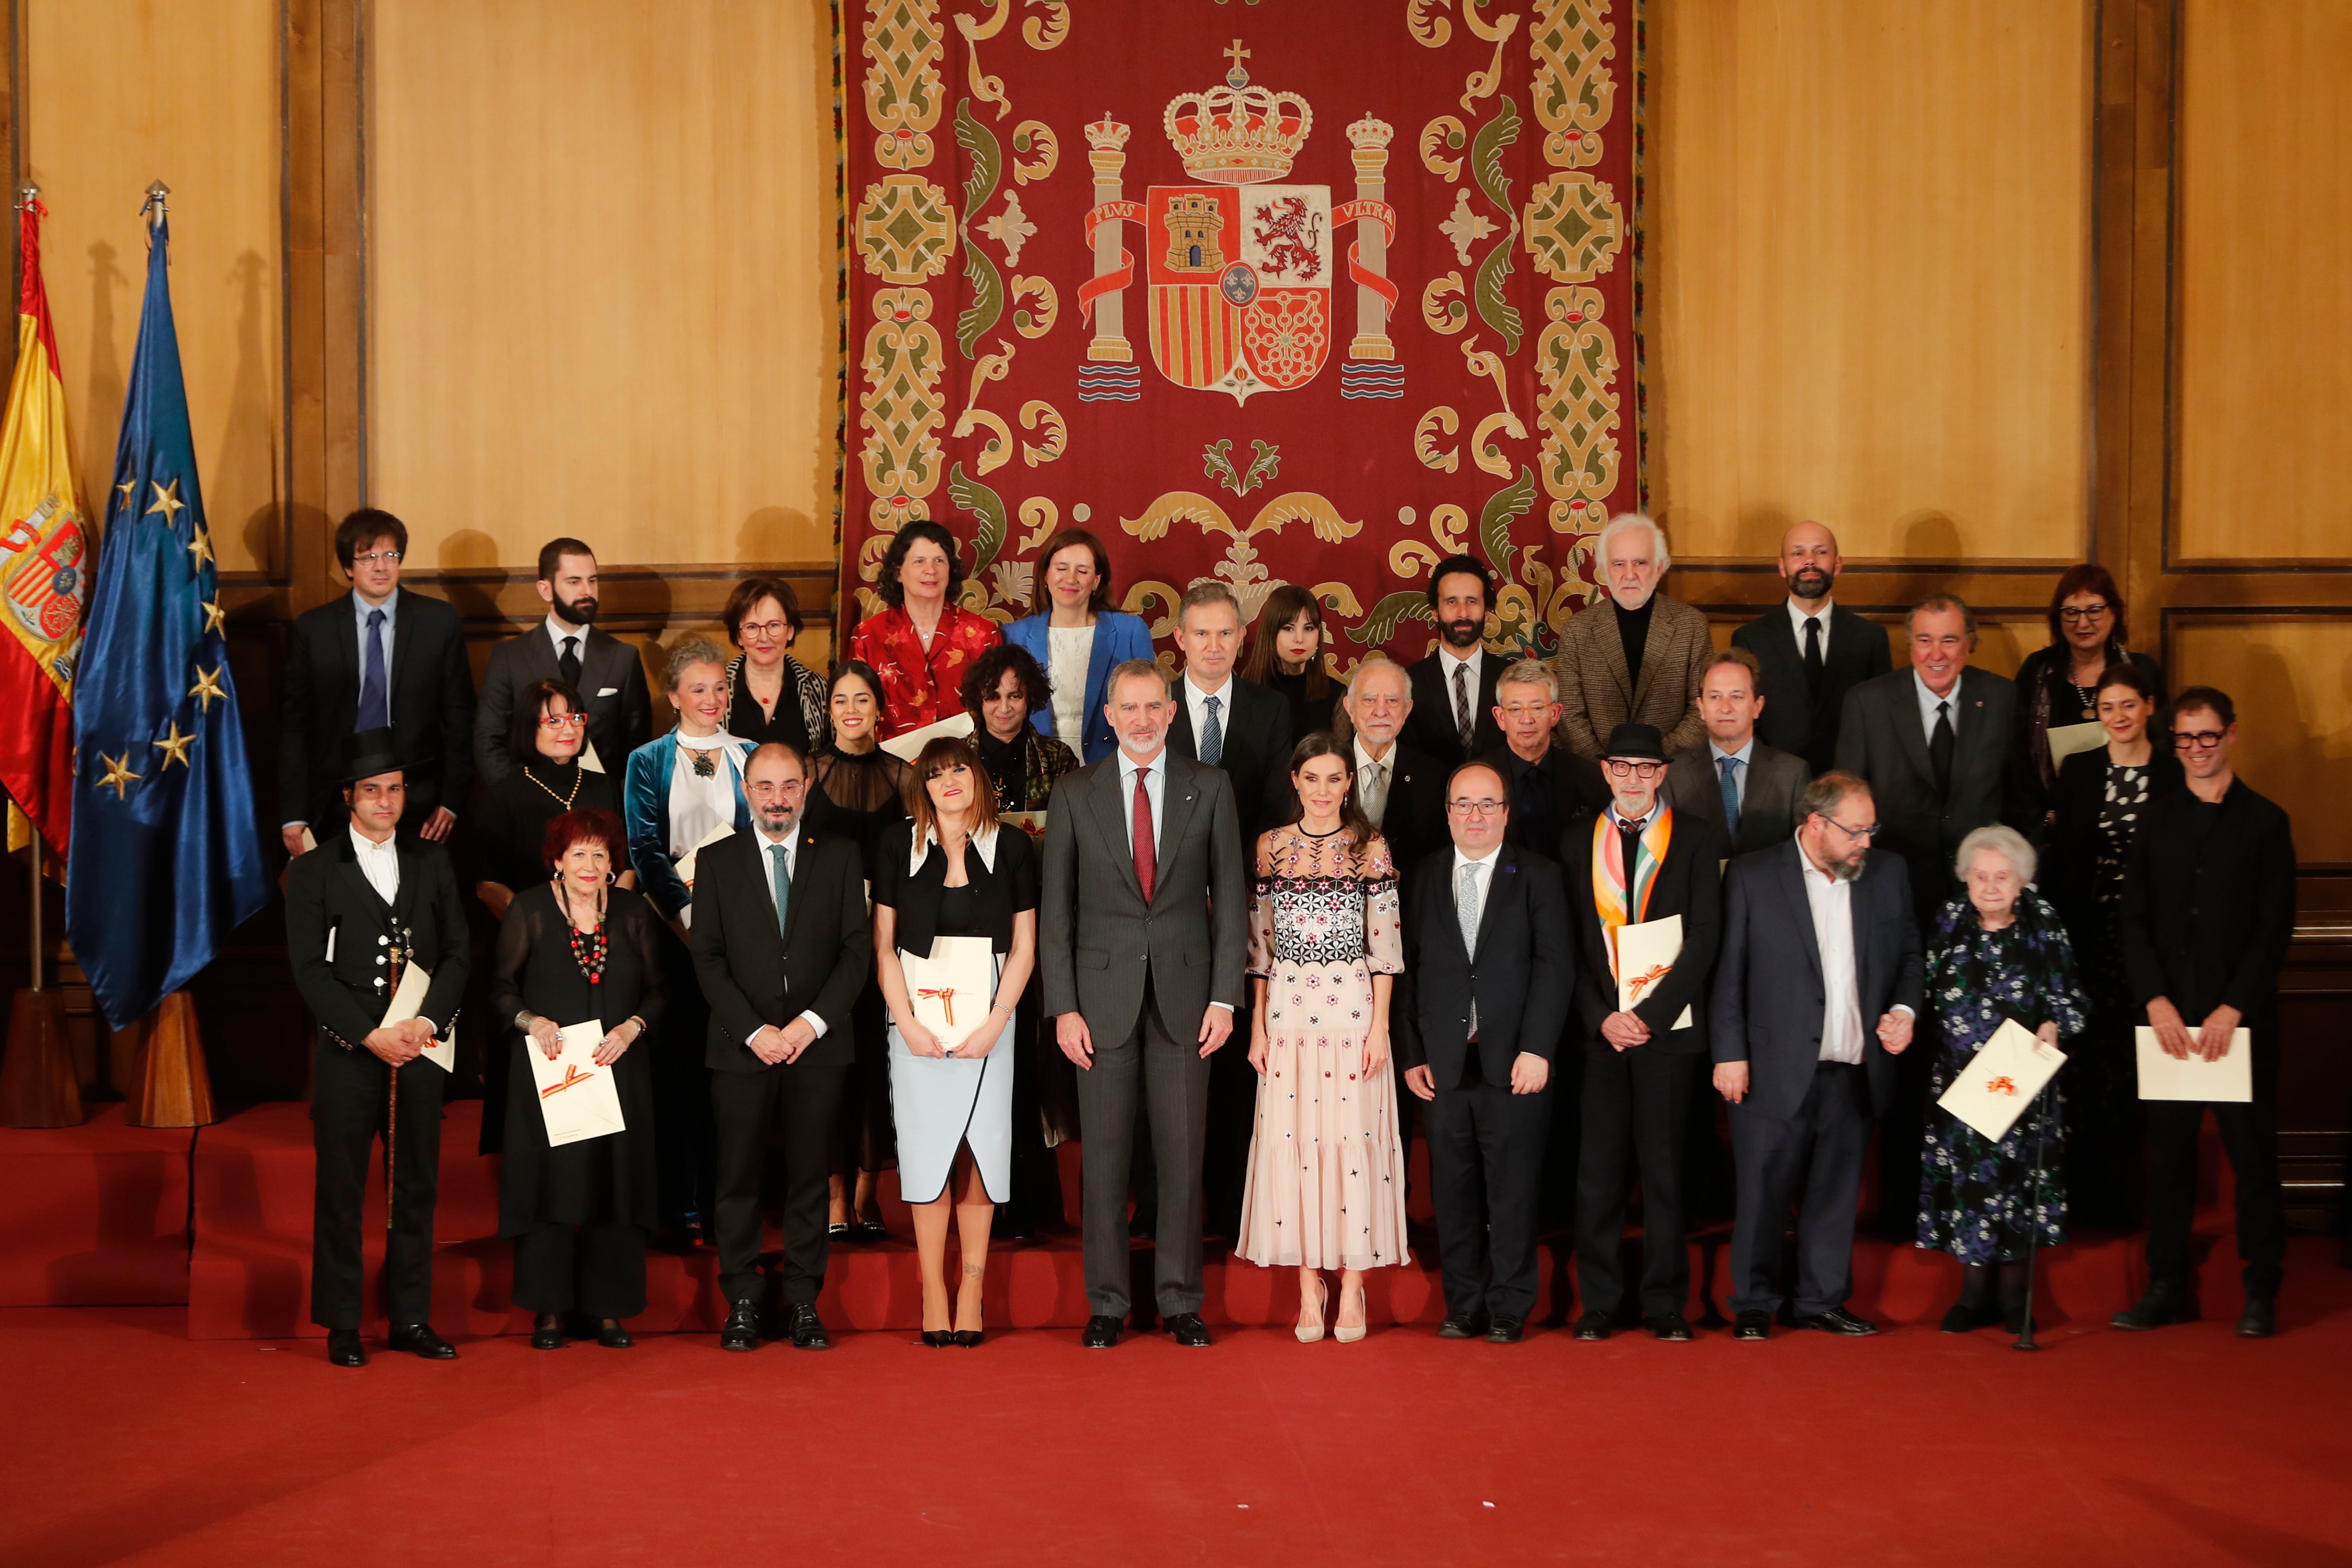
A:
x,y
681,786
1077,632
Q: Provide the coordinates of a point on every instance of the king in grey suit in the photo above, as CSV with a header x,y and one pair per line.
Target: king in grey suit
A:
x,y
1142,940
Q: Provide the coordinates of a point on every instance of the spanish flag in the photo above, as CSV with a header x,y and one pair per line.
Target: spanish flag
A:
x,y
44,572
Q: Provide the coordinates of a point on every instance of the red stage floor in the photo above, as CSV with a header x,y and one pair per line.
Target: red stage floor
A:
x,y
129,1443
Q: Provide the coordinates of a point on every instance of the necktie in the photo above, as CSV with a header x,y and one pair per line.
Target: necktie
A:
x,y
1461,719
1629,843
375,703
1940,750
1372,790
782,877
1813,653
1465,911
1729,766
569,663
1212,734
1147,860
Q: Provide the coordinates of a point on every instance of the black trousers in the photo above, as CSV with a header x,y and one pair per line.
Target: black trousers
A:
x,y
1820,1151
1636,1102
2250,1139
1486,1165
1165,1075
348,1113
1564,1138
796,1104
682,1138
1902,1136
1232,1121
599,1270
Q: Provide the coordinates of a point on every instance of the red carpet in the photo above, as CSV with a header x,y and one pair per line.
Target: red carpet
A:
x,y
97,1213
129,1443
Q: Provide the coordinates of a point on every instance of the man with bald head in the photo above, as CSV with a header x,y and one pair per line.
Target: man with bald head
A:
x,y
1812,649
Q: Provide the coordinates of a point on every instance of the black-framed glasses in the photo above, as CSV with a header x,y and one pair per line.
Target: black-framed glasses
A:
x,y
2078,612
1869,832
2197,739
1618,770
1475,808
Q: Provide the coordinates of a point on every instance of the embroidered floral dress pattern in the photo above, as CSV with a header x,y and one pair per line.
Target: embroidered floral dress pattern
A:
x,y
1978,1200
921,688
1325,1184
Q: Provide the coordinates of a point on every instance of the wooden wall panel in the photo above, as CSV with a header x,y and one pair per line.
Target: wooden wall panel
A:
x,y
117,94
2265,282
2290,678
1868,254
601,283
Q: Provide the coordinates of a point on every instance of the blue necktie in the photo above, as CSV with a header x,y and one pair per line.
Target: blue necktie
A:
x,y
375,703
1729,766
1212,734
784,880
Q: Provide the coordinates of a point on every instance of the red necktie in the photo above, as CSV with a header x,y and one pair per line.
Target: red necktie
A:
x,y
1146,861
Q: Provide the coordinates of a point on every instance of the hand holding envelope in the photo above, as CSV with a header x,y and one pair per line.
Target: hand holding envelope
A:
x,y
406,1002
2227,1078
2001,1080
1646,956
952,988
577,1096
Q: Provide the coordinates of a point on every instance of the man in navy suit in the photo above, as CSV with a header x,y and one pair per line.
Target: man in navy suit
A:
x,y
1817,986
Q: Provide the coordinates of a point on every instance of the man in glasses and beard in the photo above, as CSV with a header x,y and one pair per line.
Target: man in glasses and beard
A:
x,y
1813,650
567,646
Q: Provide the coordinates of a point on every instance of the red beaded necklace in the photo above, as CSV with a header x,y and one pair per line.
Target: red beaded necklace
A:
x,y
588,948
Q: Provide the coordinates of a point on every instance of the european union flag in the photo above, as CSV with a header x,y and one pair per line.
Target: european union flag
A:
x,y
166,858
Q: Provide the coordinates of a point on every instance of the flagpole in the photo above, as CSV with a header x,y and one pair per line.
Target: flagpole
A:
x,y
26,194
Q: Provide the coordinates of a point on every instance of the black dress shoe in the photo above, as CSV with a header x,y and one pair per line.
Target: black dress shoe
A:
x,y
1187,1329
418,1339
1670,1326
547,1332
2163,1305
2260,1320
343,1348
1838,1320
1463,1325
742,1330
1591,1326
1101,1333
1752,1325
838,1232
1505,1329
613,1336
807,1330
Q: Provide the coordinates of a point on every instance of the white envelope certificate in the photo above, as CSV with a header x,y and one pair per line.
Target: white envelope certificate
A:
x,y
2066,739
2001,1080
406,1003
1030,822
588,757
907,747
2166,1077
577,1097
1646,955
686,862
953,989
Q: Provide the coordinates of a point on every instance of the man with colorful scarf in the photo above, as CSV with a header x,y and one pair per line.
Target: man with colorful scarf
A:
x,y
1638,862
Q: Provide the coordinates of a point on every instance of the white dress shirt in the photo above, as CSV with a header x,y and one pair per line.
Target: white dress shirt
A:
x,y
1484,872
557,631
380,863
1799,615
1069,650
1447,662
1928,701
792,842
1743,756
1196,703
1374,775
1832,899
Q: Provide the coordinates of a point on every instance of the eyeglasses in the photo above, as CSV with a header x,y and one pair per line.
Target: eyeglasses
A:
x,y
1867,832
563,720
2080,612
1475,808
1522,710
389,558
764,628
1634,769
2197,739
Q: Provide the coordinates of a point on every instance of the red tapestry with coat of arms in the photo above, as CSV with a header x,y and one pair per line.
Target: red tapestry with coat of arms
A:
x,y
1312,291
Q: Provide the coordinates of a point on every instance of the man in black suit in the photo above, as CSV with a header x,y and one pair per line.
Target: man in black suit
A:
x,y
782,945
1453,686
1401,790
359,914
1812,652
1551,788
2209,909
1734,777
567,646
1642,862
1475,1018
1817,988
382,658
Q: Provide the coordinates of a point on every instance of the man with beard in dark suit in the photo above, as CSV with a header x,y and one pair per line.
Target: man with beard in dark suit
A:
x,y
569,647
1812,650
1454,687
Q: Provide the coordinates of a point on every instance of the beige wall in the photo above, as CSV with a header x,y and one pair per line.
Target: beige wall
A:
x,y
1868,241
116,95
601,278
2265,281
2291,680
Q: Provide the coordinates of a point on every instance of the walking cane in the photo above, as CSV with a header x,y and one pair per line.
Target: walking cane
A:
x,y
2033,1224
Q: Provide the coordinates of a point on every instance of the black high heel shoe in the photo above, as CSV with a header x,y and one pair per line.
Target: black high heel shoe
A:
x,y
966,1339
613,1336
547,1333
938,1339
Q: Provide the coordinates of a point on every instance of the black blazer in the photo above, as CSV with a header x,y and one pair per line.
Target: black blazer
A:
x,y
431,693
1689,885
1795,719
2070,861
1768,806
1768,1003
1521,976
753,974
2206,922
327,895
999,892
1430,728
1257,749
1413,821
612,683
1882,740
1578,789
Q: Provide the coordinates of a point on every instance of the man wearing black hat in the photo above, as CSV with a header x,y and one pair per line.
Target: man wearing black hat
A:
x,y
359,913
1639,862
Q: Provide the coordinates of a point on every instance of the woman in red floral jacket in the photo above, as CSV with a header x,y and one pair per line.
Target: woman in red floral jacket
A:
x,y
922,645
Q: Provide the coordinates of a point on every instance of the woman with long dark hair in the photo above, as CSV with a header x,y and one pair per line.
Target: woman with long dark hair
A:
x,y
1286,655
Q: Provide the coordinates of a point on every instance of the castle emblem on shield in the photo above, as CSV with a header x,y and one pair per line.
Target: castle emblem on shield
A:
x,y
1241,267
